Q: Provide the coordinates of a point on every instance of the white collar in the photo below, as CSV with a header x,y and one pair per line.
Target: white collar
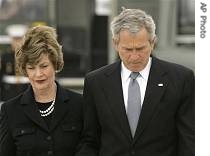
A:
x,y
125,72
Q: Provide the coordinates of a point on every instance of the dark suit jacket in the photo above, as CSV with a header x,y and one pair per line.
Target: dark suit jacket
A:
x,y
166,124
23,132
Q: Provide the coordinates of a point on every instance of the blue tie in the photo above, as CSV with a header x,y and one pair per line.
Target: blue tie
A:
x,y
134,102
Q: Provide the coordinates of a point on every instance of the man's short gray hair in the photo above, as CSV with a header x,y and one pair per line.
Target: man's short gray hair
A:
x,y
133,20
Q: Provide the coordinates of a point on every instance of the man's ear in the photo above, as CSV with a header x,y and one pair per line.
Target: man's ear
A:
x,y
153,43
115,43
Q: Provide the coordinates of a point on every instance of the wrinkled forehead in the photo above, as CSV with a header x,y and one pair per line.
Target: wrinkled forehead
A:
x,y
44,57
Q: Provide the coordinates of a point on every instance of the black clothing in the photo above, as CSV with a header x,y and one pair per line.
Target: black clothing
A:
x,y
23,132
44,106
166,124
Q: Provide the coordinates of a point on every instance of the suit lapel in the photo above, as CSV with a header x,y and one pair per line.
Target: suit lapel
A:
x,y
60,107
115,97
31,109
156,86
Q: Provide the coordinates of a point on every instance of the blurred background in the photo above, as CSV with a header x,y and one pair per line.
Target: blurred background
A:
x,y
83,30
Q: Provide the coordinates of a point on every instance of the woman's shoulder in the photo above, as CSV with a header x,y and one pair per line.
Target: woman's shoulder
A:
x,y
73,93
12,103
67,93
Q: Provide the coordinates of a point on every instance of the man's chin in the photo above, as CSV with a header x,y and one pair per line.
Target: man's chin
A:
x,y
135,67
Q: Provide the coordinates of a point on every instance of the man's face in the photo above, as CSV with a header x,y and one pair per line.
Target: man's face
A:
x,y
134,49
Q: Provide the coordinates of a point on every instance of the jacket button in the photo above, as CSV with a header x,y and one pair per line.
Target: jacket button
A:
x,y
50,153
132,152
49,138
22,131
73,128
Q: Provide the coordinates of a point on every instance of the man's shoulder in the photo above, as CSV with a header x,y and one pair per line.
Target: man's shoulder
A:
x,y
174,72
170,66
104,69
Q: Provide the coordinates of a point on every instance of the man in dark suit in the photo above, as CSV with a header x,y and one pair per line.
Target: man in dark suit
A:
x,y
166,106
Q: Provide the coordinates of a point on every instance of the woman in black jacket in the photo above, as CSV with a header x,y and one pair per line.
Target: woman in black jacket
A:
x,y
46,119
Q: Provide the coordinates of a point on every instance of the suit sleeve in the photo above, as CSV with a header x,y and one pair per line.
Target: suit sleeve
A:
x,y
90,143
7,146
186,118
1,75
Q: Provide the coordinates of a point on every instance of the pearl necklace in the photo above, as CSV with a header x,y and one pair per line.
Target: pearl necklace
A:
x,y
49,110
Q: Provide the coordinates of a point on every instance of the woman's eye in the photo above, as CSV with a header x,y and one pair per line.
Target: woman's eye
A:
x,y
44,66
30,68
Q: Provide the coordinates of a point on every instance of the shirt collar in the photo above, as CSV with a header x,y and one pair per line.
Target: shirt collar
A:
x,y
125,72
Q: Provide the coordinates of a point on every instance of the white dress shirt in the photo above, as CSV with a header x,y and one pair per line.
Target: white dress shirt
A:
x,y
141,79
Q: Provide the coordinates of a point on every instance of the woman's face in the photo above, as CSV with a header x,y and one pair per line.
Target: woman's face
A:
x,y
41,75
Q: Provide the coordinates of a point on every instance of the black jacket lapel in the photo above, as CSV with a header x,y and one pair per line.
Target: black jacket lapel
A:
x,y
60,107
115,97
31,109
156,86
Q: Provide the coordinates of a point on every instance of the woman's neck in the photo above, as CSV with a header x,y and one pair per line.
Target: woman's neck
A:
x,y
44,96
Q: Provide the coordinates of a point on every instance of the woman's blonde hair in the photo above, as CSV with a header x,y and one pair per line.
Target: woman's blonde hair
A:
x,y
37,41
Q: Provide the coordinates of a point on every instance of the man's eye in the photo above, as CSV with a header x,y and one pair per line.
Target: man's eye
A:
x,y
139,49
128,49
